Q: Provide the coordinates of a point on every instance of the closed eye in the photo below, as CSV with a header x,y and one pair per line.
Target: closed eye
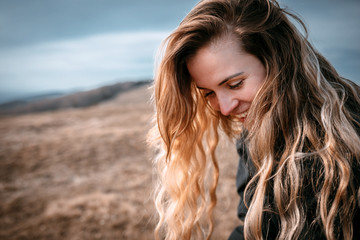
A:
x,y
236,85
209,94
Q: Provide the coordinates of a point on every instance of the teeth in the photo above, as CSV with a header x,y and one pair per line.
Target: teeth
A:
x,y
242,115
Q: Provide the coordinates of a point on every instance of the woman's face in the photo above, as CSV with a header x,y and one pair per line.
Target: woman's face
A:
x,y
227,76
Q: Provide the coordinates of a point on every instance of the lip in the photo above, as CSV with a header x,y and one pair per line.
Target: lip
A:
x,y
241,117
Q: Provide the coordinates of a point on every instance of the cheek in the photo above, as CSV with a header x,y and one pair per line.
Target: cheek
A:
x,y
252,95
253,89
214,103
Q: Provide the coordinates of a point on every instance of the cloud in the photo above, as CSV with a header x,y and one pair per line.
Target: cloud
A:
x,y
28,22
82,62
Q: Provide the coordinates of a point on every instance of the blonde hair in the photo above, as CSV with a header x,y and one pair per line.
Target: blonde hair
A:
x,y
305,124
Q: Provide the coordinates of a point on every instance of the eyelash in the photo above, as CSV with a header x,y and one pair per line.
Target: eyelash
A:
x,y
208,94
237,85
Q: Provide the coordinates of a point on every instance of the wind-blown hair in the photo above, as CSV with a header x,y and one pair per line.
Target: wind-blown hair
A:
x,y
303,132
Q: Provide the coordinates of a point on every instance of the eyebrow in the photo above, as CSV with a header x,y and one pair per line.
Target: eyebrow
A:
x,y
230,77
226,79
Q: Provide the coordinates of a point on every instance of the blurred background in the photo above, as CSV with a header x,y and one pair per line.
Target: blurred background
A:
x,y
68,45
75,111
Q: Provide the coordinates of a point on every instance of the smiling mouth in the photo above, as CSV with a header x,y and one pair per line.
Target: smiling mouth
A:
x,y
241,117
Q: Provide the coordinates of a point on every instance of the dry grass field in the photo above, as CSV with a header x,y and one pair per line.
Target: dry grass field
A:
x,y
86,173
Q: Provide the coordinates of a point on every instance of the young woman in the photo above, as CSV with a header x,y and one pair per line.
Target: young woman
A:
x,y
242,67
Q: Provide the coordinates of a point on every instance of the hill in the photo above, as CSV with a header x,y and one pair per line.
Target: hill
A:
x,y
86,173
55,101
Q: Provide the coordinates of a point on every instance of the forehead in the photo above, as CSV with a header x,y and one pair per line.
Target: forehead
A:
x,y
217,45
217,60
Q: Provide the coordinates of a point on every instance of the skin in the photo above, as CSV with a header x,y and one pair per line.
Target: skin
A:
x,y
227,76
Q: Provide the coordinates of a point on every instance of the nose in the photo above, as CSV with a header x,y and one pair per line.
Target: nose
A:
x,y
225,104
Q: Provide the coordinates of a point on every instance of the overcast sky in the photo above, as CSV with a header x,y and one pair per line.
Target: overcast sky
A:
x,y
61,45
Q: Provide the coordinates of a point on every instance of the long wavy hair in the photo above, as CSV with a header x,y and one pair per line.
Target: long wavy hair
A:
x,y
304,128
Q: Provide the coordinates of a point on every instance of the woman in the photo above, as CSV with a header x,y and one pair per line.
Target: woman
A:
x,y
242,62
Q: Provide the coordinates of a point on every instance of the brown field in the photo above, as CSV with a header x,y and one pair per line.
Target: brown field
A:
x,y
87,174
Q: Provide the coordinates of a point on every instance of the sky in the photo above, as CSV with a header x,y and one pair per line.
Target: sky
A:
x,y
68,45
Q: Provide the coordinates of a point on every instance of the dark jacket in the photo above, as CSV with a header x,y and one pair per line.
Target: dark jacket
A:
x,y
271,221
